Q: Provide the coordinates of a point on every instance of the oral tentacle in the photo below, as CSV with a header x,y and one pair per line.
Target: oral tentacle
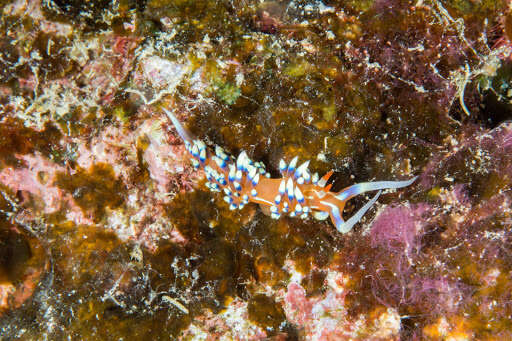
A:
x,y
184,134
363,187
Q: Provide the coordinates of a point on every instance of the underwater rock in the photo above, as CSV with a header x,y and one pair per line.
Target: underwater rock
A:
x,y
93,173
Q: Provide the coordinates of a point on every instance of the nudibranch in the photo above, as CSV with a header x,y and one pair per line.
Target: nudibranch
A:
x,y
297,193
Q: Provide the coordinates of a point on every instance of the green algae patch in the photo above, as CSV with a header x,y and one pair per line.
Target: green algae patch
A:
x,y
227,92
329,112
434,194
94,190
96,288
299,69
360,5
475,9
196,19
222,83
85,256
488,185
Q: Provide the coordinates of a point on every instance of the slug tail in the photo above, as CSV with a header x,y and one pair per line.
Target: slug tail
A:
x,y
346,226
350,192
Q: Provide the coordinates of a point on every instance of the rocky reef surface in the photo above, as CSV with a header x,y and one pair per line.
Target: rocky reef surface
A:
x,y
107,231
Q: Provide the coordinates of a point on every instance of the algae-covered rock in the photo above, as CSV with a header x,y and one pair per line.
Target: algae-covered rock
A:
x,y
107,231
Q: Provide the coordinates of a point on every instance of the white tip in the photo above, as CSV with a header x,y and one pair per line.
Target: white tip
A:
x,y
282,187
255,180
219,162
289,188
306,175
301,169
322,182
282,165
277,199
201,144
232,172
195,150
252,172
202,155
320,215
240,161
293,163
298,195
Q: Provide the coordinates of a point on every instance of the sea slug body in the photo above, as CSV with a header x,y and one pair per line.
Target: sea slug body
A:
x,y
297,193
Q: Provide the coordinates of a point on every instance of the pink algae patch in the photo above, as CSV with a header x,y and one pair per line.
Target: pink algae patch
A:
x,y
399,228
232,323
30,179
298,304
37,179
324,317
167,164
